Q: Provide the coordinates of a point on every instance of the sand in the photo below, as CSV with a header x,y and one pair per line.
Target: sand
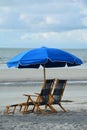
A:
x,y
74,119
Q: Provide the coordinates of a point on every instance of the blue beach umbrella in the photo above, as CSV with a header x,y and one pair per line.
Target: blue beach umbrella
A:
x,y
46,57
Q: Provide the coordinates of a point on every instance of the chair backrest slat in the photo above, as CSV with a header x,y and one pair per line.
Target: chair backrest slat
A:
x,y
46,90
58,90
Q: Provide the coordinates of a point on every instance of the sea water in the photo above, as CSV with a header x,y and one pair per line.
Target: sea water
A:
x,y
6,54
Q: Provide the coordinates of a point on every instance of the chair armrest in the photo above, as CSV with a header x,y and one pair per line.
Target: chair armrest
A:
x,y
37,93
29,95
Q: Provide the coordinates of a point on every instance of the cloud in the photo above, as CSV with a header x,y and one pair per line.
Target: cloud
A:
x,y
44,19
84,21
4,11
43,16
47,21
57,16
80,35
2,19
75,35
25,18
36,36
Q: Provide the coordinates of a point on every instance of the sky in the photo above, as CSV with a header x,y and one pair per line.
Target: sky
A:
x,y
50,23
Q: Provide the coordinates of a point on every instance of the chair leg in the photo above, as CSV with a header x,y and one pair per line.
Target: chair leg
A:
x,y
7,109
62,107
33,108
52,108
25,108
20,108
14,109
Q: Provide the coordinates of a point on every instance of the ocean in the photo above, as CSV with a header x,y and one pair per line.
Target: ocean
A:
x,y
7,53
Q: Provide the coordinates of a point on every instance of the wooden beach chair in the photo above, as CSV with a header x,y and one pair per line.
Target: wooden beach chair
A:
x,y
56,97
41,99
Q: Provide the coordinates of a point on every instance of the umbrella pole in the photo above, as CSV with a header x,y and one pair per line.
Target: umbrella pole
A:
x,y
44,73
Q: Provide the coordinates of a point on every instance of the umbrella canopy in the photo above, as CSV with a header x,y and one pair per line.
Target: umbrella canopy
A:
x,y
46,57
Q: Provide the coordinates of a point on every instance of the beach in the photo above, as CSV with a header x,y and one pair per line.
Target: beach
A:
x,y
16,82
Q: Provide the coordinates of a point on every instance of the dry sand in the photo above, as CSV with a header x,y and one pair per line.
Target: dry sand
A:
x,y
74,119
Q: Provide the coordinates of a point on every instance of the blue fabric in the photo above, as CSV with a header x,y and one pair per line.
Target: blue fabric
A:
x,y
48,57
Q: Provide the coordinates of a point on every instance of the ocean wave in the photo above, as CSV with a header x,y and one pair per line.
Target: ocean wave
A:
x,y
20,83
34,83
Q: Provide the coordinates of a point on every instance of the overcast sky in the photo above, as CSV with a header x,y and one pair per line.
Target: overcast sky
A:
x,y
36,23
